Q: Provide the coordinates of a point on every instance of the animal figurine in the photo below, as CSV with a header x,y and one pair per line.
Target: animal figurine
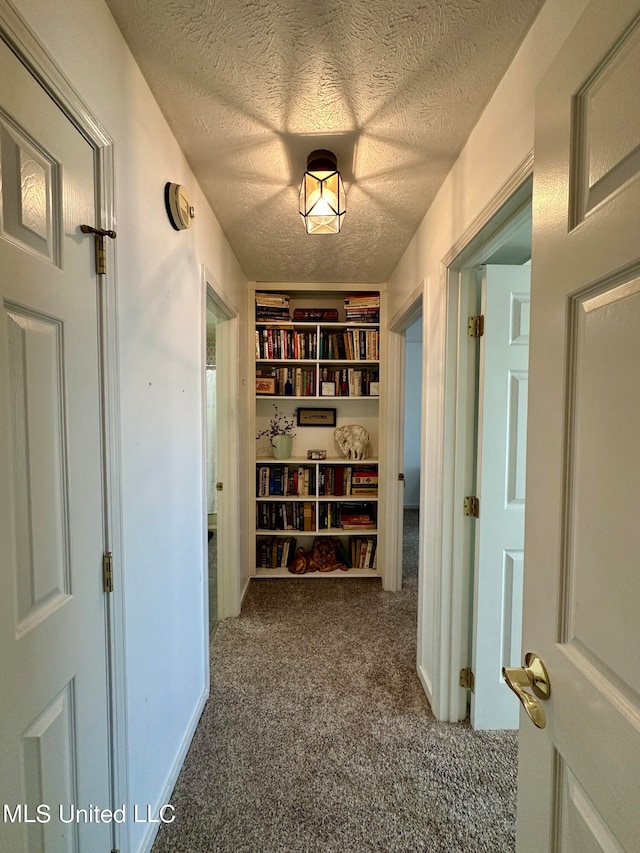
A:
x,y
323,557
353,441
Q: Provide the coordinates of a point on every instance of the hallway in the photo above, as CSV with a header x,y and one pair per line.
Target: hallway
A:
x,y
318,736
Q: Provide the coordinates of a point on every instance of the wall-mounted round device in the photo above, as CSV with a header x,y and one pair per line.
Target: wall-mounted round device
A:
x,y
179,211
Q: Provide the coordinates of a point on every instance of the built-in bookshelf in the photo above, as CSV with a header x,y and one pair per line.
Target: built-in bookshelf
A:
x,y
318,353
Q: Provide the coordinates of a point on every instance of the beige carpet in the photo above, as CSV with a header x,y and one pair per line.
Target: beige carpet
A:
x,y
318,735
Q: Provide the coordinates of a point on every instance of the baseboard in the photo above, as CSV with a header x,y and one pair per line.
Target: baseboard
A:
x,y
427,687
165,797
244,591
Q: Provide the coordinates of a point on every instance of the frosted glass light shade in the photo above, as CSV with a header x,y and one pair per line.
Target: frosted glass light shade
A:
x,y
322,199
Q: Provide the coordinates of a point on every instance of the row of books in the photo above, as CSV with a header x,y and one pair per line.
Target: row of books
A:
x,y
363,552
350,382
346,480
285,516
276,552
360,344
272,307
291,381
285,343
362,309
348,516
285,480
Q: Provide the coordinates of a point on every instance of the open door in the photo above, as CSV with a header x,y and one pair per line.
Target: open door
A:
x,y
579,779
501,463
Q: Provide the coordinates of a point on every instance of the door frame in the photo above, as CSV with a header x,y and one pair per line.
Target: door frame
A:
x,y
24,43
228,389
396,348
454,592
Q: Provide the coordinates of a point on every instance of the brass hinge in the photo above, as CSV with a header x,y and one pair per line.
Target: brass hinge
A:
x,y
467,679
219,487
101,246
475,326
107,572
472,506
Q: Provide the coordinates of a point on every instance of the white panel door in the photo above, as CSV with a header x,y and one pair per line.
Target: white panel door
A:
x,y
53,695
501,461
579,782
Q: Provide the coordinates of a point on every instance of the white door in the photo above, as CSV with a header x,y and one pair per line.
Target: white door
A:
x,y
579,783
501,462
53,695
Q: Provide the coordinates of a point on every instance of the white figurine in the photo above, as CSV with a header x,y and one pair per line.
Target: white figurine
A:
x,y
353,441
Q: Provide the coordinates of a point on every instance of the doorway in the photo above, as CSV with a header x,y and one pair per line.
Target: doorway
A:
x,y
412,444
486,399
213,407
221,458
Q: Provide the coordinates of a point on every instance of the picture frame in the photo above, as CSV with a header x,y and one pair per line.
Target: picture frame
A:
x,y
316,417
374,389
265,385
327,389
316,454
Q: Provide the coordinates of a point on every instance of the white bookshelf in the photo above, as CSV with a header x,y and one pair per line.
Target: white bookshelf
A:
x,y
353,405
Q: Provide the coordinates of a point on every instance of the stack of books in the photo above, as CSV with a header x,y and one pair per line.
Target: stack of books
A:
x,y
357,516
362,309
364,481
272,307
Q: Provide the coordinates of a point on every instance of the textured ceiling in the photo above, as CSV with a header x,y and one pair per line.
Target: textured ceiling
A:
x,y
393,87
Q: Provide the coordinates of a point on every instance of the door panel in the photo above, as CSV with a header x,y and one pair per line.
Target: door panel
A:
x,y
579,786
54,738
502,442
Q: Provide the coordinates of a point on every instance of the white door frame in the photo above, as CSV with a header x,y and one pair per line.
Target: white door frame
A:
x,y
453,586
228,389
396,343
25,44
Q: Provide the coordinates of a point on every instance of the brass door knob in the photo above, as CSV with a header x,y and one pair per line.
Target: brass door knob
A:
x,y
534,676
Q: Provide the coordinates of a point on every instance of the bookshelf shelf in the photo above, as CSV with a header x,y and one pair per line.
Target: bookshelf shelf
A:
x,y
294,355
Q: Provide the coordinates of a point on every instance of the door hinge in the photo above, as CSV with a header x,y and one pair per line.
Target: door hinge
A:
x,y
219,487
402,479
472,506
467,679
107,572
101,246
475,326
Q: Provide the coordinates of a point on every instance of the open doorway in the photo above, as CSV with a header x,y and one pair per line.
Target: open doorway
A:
x,y
412,436
487,364
221,461
214,318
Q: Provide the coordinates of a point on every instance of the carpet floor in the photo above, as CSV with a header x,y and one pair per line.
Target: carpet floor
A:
x,y
318,736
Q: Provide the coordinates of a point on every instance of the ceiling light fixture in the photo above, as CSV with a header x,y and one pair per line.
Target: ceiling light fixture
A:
x,y
322,199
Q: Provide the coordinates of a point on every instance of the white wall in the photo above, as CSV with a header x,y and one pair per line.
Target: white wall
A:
x,y
159,329
500,142
412,413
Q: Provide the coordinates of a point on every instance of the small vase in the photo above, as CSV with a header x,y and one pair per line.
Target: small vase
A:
x,y
282,445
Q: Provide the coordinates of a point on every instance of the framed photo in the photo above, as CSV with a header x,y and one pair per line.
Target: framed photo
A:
x,y
327,389
316,417
316,454
265,385
374,389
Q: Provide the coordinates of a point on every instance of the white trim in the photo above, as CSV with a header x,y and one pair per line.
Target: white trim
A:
x,y
453,591
409,312
176,767
229,570
27,47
